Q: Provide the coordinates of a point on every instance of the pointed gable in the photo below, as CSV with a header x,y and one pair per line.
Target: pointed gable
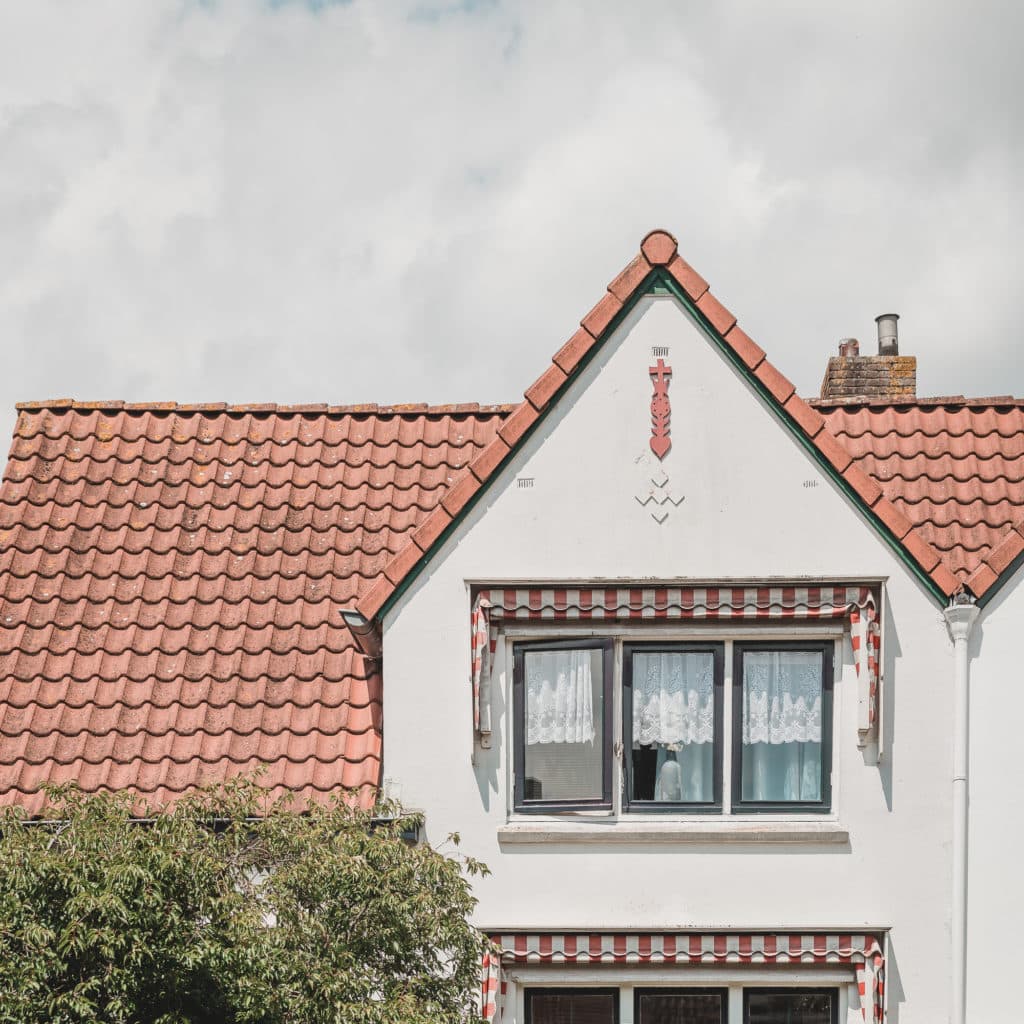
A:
x,y
659,265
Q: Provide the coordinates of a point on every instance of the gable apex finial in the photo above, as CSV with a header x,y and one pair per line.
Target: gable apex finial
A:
x,y
659,247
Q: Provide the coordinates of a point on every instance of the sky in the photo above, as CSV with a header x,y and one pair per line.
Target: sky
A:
x,y
383,201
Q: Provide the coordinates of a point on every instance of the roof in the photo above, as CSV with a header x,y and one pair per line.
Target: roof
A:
x,y
954,467
172,577
170,585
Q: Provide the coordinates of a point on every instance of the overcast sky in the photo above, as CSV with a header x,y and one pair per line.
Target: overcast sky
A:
x,y
391,202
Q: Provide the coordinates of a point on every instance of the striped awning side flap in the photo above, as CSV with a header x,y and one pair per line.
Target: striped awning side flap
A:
x,y
862,952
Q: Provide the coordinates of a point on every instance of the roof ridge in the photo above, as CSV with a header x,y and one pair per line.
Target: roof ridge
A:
x,y
408,409
913,400
658,253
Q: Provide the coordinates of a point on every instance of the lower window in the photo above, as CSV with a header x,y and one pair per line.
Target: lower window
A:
x,y
795,1006
683,1006
572,1006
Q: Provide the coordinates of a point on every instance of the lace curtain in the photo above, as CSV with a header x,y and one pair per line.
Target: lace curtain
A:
x,y
782,697
782,725
559,697
673,698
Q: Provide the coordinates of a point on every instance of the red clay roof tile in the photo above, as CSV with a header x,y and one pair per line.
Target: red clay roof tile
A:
x,y
780,386
659,247
489,459
981,580
955,468
432,527
544,387
569,355
518,424
631,278
171,580
688,279
718,316
1002,555
745,347
809,421
598,319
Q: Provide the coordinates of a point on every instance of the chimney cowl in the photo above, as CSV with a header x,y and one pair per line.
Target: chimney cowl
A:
x,y
849,347
888,336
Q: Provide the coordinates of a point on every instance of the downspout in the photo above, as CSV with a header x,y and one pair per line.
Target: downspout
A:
x,y
960,617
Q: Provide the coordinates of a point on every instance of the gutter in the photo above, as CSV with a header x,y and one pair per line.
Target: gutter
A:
x,y
960,616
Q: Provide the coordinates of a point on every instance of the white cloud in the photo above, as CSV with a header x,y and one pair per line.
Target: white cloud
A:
x,y
367,201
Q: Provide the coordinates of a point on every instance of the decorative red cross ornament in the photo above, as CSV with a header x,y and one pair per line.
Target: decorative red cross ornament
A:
x,y
661,409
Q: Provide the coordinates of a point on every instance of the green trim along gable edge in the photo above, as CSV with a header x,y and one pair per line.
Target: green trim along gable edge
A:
x,y
659,282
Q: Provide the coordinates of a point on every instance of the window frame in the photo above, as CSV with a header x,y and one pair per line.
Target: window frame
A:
x,y
717,649
607,646
790,990
823,806
702,990
614,992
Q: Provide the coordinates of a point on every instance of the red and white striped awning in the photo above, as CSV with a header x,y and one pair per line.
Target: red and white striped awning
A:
x,y
862,952
493,606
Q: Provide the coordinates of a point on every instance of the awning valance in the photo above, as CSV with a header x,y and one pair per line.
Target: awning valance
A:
x,y
494,606
863,952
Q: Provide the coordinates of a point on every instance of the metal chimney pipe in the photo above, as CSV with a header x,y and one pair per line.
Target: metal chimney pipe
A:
x,y
888,337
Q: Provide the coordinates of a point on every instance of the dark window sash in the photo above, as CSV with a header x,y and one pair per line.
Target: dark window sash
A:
x,y
639,993
832,993
714,806
519,650
827,650
532,993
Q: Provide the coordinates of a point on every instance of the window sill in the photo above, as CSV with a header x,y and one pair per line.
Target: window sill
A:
x,y
674,832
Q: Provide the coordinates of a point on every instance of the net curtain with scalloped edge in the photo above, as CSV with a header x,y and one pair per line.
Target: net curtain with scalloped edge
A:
x,y
673,717
862,952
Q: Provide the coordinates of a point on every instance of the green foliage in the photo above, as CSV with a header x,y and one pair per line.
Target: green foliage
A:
x,y
229,909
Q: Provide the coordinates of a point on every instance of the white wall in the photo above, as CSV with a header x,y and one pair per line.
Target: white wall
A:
x,y
995,887
756,505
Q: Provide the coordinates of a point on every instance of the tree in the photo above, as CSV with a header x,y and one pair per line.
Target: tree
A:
x,y
230,908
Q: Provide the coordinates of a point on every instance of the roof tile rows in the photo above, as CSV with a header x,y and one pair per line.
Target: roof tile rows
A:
x,y
170,587
954,468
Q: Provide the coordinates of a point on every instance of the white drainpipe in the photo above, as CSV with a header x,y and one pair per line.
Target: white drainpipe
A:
x,y
960,618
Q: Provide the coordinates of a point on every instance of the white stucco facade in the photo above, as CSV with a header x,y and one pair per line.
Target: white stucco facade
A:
x,y
755,506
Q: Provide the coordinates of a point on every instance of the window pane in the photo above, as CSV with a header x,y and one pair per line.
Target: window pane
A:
x,y
564,725
789,1008
572,1008
673,726
680,1008
782,693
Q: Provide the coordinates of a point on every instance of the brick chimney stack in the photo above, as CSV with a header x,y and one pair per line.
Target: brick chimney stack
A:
x,y
888,375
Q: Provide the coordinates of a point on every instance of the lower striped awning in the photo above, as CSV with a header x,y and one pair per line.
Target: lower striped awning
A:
x,y
862,952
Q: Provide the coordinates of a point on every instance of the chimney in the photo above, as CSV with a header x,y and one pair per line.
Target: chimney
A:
x,y
887,376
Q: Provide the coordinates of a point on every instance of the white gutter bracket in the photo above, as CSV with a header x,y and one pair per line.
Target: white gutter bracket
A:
x,y
960,616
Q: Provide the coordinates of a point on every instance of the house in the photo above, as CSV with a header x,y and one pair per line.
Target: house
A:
x,y
702,670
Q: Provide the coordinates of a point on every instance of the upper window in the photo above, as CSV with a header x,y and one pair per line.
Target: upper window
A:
x,y
563,709
651,737
782,726
672,719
